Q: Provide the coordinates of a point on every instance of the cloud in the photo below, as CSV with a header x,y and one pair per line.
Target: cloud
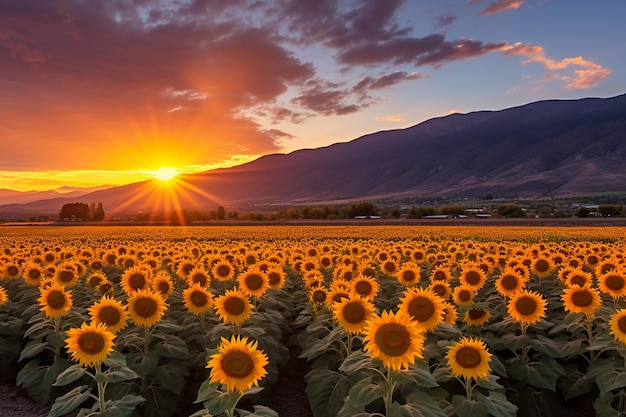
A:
x,y
385,81
501,5
328,99
577,73
394,118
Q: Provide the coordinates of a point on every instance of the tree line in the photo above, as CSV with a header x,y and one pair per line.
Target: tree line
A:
x,y
82,212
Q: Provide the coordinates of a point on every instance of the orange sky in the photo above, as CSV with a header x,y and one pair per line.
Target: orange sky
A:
x,y
107,92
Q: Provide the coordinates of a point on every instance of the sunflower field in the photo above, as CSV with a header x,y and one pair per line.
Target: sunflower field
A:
x,y
391,320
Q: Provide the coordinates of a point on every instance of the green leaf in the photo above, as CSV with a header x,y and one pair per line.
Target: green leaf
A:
x,y
468,408
263,411
356,361
611,380
496,404
172,377
122,373
125,406
421,375
70,401
29,374
491,382
32,349
575,383
548,346
171,346
404,410
70,375
425,403
364,392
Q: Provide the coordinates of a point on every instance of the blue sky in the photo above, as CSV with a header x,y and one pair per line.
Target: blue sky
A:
x,y
108,92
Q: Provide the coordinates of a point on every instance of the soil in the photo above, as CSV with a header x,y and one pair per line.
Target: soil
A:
x,y
15,402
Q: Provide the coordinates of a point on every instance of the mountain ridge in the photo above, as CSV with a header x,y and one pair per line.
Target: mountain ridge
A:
x,y
544,148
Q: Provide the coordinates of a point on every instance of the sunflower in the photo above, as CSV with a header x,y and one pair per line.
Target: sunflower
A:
x,y
440,273
366,287
185,267
408,274
90,344
146,307
4,297
389,267
32,273
197,299
449,314
578,278
353,312
233,307
276,277
395,339
477,316
613,282
440,288
136,278
253,282
423,306
96,278
581,300
473,276
509,282
336,294
162,284
55,301
238,364
110,312
542,266
198,276
318,295
617,324
469,358
527,307
463,295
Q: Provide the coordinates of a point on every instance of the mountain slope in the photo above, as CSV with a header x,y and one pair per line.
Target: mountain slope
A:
x,y
553,147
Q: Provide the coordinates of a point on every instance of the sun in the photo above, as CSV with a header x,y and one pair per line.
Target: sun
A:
x,y
165,174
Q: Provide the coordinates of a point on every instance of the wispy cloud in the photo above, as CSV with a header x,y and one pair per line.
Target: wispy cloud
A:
x,y
501,5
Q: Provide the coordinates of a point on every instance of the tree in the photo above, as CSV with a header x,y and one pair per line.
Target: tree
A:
x,y
452,209
582,212
364,208
510,210
221,213
421,211
98,215
75,211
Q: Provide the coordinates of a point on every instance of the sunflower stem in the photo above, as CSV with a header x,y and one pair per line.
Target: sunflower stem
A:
x,y
390,386
100,384
468,388
589,327
57,330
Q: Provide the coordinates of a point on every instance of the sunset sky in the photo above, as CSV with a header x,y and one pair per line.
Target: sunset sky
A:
x,y
108,92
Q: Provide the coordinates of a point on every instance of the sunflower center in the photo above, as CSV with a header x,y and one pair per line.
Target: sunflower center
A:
x,y
578,280
319,296
472,278
621,324
49,257
464,296
66,276
363,287
607,267
199,298
237,364
476,314
439,276
582,298
34,274
223,270
339,296
468,357
326,261
254,281
439,289
614,282
13,270
274,278
421,309
526,306
389,266
163,287
200,279
509,282
234,306
393,339
187,268
137,281
408,275
250,260
91,343
542,265
109,315
56,300
145,307
593,259
354,313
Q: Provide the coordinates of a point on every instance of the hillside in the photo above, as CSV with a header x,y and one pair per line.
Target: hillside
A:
x,y
546,148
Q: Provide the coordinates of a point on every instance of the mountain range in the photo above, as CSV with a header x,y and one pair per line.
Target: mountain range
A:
x,y
546,148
